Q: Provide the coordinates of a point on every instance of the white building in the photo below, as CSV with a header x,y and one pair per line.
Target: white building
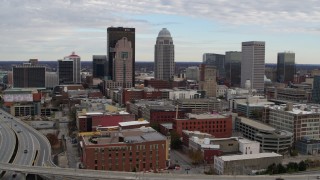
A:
x,y
244,164
192,73
183,94
249,147
222,90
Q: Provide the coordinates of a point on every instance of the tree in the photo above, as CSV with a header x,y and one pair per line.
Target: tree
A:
x,y
176,143
292,167
281,168
302,166
53,139
196,156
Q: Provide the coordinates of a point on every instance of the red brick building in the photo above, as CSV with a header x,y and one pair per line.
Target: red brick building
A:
x,y
161,115
137,94
218,125
157,84
141,149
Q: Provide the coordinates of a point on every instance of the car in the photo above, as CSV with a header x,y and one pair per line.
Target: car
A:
x,y
25,151
19,131
318,177
14,175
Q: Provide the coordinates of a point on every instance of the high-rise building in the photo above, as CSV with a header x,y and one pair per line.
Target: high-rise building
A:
x,y
28,76
208,81
69,69
192,73
316,89
253,64
99,66
164,56
233,67
285,67
114,34
123,62
217,60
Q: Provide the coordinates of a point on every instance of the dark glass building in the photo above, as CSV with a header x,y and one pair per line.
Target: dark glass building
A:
x,y
286,67
316,89
233,68
216,60
114,34
99,66
28,76
65,70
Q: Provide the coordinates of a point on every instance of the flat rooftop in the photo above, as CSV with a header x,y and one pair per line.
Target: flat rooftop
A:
x,y
249,156
132,123
136,135
256,124
203,116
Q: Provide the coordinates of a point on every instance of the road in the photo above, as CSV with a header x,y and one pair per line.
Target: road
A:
x,y
33,148
69,173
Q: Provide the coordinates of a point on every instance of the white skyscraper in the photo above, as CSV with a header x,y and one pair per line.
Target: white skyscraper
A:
x,y
164,56
253,64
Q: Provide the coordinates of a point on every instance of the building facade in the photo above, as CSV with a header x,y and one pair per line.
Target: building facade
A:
x,y
270,139
164,56
316,89
233,68
99,66
285,67
219,126
301,120
69,69
114,34
123,63
140,149
208,81
29,76
244,164
216,60
253,64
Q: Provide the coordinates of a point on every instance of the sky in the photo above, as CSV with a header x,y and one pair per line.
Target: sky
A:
x,y
50,30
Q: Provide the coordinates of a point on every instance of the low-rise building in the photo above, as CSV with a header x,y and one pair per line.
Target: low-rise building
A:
x,y
308,146
140,149
300,119
199,105
270,139
218,125
244,164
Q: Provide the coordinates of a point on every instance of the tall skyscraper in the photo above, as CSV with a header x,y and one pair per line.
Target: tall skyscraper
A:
x,y
99,66
233,67
208,83
216,60
316,89
114,34
69,69
29,76
164,56
123,62
253,64
286,67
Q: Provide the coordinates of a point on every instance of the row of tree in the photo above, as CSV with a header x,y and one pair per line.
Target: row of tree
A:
x,y
289,168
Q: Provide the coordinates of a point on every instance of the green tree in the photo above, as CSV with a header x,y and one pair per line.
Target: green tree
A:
x,y
292,167
176,143
281,168
302,166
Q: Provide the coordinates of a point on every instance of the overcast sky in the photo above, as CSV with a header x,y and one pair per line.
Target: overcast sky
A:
x,y
52,29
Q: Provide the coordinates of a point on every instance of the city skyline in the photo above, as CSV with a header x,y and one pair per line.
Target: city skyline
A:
x,y
48,30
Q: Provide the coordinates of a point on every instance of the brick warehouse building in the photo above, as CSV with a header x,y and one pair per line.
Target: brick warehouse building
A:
x,y
140,149
218,125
